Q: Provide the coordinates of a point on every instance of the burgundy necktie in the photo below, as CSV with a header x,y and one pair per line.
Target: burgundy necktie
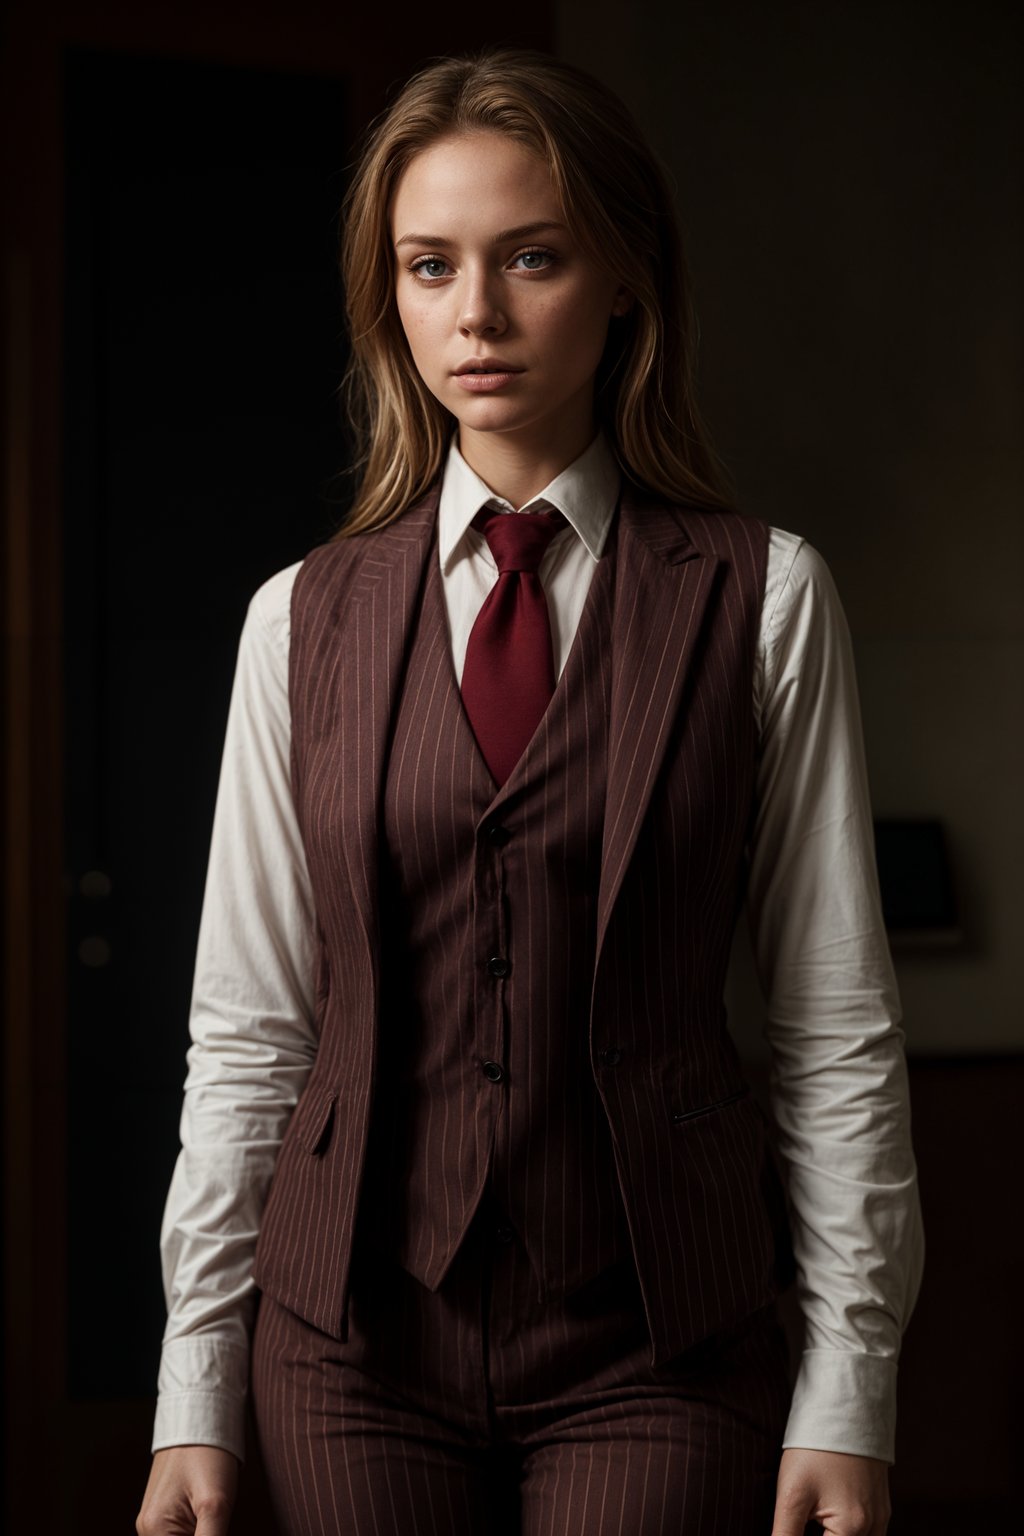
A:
x,y
509,675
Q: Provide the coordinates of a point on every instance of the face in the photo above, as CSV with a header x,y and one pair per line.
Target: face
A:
x,y
505,317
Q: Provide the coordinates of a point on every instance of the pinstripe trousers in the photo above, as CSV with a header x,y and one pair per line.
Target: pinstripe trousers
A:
x,y
475,1410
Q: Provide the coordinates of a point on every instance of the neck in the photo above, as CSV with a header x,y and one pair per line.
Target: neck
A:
x,y
518,470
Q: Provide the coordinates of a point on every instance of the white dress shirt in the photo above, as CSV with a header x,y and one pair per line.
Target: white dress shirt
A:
x,y
838,1084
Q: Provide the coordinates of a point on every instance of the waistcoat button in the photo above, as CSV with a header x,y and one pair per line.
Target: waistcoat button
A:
x,y
498,965
498,835
504,1233
494,1070
610,1057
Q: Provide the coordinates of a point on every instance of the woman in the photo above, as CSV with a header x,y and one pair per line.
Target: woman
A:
x,y
503,759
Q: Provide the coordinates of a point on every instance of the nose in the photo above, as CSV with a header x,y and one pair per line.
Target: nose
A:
x,y
481,313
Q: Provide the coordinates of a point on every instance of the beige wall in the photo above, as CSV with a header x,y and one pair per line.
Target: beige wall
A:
x,y
848,182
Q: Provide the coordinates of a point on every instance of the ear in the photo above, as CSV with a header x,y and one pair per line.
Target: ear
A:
x,y
622,303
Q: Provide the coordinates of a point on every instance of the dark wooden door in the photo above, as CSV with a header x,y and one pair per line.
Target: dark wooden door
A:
x,y
202,447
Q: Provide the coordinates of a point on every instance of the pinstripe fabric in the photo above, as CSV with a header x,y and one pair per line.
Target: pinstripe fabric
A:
x,y
477,1411
488,917
593,1079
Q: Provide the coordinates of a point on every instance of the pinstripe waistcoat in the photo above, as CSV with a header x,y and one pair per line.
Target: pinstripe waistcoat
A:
x,y
521,986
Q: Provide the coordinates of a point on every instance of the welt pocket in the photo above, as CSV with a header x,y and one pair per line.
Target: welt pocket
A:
x,y
315,1127
679,1115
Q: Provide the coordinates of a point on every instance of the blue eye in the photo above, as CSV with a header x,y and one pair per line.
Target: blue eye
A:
x,y
423,267
535,260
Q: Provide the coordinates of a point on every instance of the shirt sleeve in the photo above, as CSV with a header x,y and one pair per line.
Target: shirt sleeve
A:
x,y
838,1083
251,1022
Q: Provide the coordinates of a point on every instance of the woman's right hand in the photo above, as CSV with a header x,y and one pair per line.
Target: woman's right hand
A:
x,y
191,1489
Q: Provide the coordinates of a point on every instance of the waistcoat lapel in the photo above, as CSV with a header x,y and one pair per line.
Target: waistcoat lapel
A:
x,y
662,587
375,636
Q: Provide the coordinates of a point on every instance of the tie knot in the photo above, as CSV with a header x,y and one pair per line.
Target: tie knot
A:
x,y
518,540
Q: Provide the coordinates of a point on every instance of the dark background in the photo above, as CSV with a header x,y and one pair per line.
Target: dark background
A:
x,y
172,435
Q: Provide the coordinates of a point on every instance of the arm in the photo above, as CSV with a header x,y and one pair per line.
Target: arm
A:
x,y
253,1046
838,1086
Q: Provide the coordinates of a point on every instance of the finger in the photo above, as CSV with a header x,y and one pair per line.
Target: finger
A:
x,y
212,1525
213,1515
162,1519
791,1516
850,1522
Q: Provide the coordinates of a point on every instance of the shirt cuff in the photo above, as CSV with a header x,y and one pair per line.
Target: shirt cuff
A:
x,y
844,1401
201,1394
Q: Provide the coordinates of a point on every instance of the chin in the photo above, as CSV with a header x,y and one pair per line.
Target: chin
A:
x,y
491,417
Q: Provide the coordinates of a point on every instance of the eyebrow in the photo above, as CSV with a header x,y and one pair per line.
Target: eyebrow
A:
x,y
520,232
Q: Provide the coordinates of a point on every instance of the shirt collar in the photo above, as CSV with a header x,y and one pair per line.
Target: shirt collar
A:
x,y
586,492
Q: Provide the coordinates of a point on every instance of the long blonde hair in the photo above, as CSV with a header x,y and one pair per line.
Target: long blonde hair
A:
x,y
618,207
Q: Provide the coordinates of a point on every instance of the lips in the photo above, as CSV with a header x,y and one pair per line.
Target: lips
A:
x,y
486,365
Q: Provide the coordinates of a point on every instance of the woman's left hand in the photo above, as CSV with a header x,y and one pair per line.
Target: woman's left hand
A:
x,y
848,1495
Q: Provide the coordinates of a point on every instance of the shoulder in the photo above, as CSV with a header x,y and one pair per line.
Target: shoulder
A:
x,y
270,609
272,605
799,588
734,537
331,571
792,565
